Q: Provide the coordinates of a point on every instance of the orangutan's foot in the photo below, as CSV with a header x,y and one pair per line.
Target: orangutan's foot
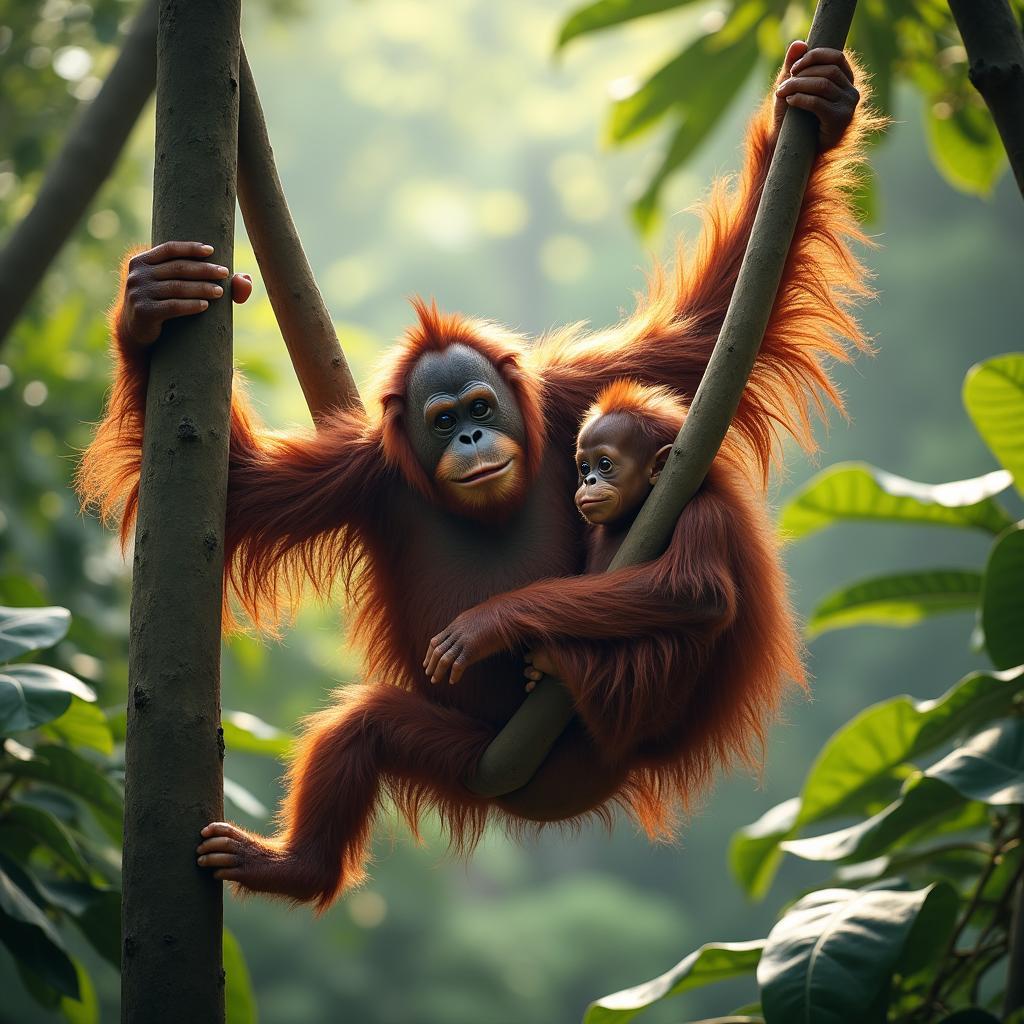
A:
x,y
255,864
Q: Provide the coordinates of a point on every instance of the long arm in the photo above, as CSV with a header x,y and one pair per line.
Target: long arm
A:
x,y
669,339
295,504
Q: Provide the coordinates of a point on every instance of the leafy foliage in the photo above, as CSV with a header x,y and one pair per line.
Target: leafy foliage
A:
x,y
909,41
914,928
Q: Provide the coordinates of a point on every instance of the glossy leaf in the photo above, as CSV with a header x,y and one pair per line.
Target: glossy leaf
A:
x,y
994,398
923,800
31,629
239,1000
989,767
712,962
858,762
33,694
830,957
100,922
604,14
66,770
247,734
46,830
1002,600
30,935
82,725
898,600
855,491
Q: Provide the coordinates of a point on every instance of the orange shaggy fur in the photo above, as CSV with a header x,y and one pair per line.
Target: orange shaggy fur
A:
x,y
351,501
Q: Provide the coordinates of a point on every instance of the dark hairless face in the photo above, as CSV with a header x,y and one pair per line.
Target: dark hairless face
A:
x,y
466,429
617,469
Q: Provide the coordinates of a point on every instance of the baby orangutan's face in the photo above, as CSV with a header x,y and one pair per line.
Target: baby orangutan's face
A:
x,y
616,470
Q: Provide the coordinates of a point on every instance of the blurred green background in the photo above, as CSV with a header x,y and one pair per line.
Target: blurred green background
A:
x,y
439,149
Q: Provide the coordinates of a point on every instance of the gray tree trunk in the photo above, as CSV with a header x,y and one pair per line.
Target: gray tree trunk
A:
x,y
995,50
172,914
84,163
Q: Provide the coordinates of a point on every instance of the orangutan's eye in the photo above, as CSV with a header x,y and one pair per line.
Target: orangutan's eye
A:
x,y
444,421
604,464
479,409
584,469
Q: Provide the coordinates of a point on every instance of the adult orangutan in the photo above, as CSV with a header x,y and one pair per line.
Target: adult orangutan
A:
x,y
456,490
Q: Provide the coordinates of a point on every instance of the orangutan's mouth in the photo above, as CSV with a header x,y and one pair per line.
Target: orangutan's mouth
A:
x,y
484,473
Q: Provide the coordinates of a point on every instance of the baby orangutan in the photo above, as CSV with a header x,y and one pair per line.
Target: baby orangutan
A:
x,y
619,457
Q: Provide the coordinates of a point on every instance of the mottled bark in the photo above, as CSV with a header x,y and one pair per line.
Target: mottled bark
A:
x,y
995,50
84,163
521,746
172,915
305,323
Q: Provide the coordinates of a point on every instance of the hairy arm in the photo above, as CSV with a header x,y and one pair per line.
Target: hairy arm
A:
x,y
669,338
688,591
292,502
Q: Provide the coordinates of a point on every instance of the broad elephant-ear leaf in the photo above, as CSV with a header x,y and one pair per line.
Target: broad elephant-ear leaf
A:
x,y
902,599
239,1001
1002,600
965,144
862,766
857,492
831,956
604,14
994,398
23,630
716,961
989,767
31,695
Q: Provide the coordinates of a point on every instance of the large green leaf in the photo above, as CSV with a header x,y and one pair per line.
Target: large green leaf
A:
x,y
1002,600
239,1001
245,801
965,146
33,694
46,830
989,767
716,961
923,801
31,629
863,760
994,397
855,491
898,600
82,725
832,955
607,13
66,770
247,734
30,935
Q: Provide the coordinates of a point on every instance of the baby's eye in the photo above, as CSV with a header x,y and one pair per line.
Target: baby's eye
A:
x,y
584,468
604,464
444,421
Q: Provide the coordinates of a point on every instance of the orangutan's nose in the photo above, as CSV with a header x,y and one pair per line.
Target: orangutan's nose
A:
x,y
467,439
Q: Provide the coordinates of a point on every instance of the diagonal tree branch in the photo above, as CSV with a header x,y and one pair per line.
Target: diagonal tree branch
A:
x,y
88,156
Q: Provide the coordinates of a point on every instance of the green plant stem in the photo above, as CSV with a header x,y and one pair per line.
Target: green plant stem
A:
x,y
1014,998
949,953
172,913
519,749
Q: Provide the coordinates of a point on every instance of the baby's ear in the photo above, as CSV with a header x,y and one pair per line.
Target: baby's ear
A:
x,y
658,462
